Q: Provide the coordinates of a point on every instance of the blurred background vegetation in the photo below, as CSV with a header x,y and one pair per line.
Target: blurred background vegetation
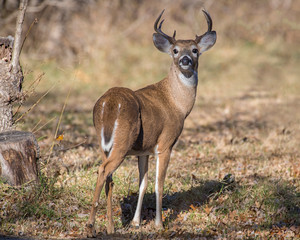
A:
x,y
100,35
73,29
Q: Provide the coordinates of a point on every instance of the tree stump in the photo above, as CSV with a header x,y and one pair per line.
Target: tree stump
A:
x,y
19,153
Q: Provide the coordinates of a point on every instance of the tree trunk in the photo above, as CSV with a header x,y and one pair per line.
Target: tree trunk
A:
x,y
5,117
5,83
11,76
10,84
19,153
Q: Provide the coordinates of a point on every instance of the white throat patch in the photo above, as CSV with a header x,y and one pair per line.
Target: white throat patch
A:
x,y
190,82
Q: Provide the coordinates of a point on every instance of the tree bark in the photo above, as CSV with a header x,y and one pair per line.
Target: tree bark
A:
x,y
19,153
11,76
7,91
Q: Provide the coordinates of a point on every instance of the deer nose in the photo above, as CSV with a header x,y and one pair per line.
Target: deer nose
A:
x,y
185,61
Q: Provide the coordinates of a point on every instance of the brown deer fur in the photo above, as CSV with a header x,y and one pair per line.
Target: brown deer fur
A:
x,y
147,121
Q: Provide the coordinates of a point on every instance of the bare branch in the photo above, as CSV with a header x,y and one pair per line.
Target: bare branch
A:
x,y
18,34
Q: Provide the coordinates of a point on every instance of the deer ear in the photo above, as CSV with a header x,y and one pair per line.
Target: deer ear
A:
x,y
161,43
207,41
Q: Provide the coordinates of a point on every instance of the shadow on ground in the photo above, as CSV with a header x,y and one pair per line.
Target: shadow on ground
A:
x,y
283,198
177,202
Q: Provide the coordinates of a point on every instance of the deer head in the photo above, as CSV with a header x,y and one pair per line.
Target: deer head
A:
x,y
185,53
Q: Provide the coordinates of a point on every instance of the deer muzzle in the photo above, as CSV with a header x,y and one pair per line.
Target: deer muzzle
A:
x,y
185,62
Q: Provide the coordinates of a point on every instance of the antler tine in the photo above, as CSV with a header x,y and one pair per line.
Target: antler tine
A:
x,y
208,20
161,24
159,31
209,24
157,20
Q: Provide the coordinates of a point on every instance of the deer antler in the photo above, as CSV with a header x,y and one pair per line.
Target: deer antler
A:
x,y
209,24
159,31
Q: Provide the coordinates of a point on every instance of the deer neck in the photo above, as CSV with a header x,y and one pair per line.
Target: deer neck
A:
x,y
183,89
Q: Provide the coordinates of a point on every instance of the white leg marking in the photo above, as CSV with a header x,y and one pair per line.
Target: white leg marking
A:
x,y
107,147
137,216
158,210
143,171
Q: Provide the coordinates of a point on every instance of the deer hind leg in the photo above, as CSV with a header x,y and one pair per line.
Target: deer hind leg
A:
x,y
143,172
162,161
104,173
108,191
90,224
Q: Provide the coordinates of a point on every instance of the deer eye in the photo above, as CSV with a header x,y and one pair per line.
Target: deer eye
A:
x,y
195,50
175,51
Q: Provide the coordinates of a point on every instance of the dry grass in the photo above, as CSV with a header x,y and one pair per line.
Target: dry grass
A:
x,y
245,123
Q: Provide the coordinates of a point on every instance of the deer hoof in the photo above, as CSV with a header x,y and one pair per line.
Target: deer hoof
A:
x,y
91,232
135,225
110,230
159,226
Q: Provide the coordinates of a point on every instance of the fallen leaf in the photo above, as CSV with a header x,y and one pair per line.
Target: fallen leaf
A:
x,y
193,207
60,137
208,209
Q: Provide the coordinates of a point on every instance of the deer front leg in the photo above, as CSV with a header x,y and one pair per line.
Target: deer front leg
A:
x,y
162,161
108,191
143,175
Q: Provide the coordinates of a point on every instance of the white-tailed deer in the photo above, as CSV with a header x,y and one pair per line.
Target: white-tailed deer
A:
x,y
147,121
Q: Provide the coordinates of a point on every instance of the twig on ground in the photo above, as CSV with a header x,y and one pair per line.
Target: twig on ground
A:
x,y
34,131
36,125
30,91
58,125
75,146
29,109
